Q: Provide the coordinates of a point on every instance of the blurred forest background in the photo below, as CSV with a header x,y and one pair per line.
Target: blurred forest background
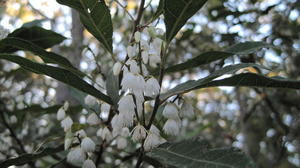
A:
x,y
264,123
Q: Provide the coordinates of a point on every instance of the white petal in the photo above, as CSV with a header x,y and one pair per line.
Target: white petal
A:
x,y
137,36
139,133
88,145
171,127
121,143
67,123
76,156
93,119
117,68
170,111
187,110
60,114
88,164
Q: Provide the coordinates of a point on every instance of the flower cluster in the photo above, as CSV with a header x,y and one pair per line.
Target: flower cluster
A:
x,y
127,120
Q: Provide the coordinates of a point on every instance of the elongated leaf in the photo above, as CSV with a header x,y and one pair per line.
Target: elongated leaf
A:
x,y
60,74
205,58
177,12
96,18
193,84
37,35
159,10
247,47
112,87
254,80
26,158
48,57
197,154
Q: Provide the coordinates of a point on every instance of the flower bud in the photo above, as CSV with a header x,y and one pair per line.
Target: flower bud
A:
x,y
67,123
60,114
117,68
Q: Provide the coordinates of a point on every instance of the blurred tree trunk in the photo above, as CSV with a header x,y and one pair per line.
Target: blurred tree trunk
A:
x,y
74,55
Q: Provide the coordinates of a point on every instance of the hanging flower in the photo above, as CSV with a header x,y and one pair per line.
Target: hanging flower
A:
x,y
117,68
88,145
88,164
67,123
76,156
93,119
170,111
151,141
171,127
186,110
152,87
139,133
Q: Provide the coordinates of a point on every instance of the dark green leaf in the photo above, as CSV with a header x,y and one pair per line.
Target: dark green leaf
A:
x,y
48,57
159,10
60,74
177,12
95,16
254,80
26,158
192,84
34,23
37,35
77,126
197,154
205,58
112,87
247,47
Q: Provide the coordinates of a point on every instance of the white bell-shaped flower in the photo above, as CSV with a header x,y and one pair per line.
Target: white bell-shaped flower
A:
x,y
117,68
88,164
133,66
126,117
131,51
132,81
81,134
187,110
152,88
137,36
90,100
171,127
66,123
105,134
121,142
151,141
93,119
145,70
88,145
170,111
145,57
139,133
116,122
157,43
145,45
126,103
61,114
76,156
154,130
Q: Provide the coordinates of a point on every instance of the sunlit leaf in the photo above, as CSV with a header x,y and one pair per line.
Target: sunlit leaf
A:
x,y
96,18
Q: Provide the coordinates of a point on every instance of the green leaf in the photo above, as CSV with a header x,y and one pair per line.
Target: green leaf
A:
x,y
96,18
205,58
192,84
77,126
254,80
247,47
60,74
197,154
48,57
112,87
34,23
177,13
159,10
37,35
26,158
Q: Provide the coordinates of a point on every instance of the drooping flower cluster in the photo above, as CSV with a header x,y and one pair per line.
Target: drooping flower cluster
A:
x,y
128,120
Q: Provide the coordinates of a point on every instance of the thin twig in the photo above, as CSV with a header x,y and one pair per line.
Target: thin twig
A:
x,y
122,6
